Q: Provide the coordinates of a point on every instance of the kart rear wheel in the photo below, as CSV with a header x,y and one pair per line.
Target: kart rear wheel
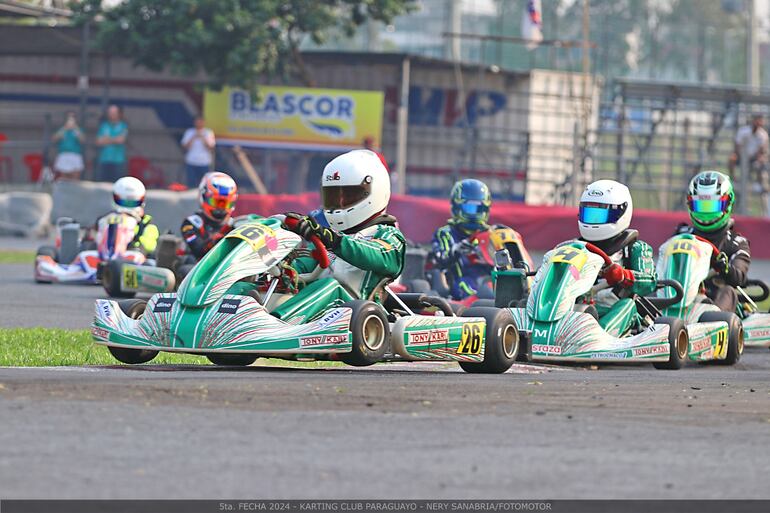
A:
x,y
734,335
679,344
48,251
501,343
371,334
133,308
112,273
232,359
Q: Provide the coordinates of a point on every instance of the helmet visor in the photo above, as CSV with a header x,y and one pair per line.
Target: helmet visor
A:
x,y
599,213
221,203
343,196
708,204
471,207
127,203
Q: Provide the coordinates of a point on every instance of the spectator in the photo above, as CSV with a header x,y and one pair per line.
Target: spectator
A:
x,y
69,159
198,143
112,140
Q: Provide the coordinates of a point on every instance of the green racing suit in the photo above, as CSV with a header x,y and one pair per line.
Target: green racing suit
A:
x,y
361,262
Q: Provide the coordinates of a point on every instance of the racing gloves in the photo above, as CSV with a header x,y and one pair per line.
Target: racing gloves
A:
x,y
307,226
462,248
721,264
616,275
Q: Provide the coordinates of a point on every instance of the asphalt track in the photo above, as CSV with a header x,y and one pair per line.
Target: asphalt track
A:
x,y
390,431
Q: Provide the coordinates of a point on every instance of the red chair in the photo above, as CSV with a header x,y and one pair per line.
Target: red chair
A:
x,y
6,163
34,163
151,176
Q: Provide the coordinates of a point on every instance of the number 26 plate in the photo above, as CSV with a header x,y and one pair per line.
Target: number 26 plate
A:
x,y
470,340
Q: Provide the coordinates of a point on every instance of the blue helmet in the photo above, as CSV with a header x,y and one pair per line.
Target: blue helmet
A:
x,y
470,203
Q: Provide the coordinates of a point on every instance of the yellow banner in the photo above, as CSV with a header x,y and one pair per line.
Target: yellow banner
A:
x,y
294,117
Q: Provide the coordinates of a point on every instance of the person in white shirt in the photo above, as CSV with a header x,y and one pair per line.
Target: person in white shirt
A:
x,y
198,143
752,140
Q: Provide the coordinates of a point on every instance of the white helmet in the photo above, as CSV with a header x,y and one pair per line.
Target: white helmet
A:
x,y
606,208
128,196
355,187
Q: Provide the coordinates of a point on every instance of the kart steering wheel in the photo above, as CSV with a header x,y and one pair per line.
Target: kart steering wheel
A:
x,y
320,253
598,251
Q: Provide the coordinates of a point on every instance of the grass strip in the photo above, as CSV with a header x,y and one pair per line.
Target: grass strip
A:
x,y
46,347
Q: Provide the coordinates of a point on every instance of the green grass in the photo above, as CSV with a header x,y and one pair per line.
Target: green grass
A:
x,y
42,347
17,257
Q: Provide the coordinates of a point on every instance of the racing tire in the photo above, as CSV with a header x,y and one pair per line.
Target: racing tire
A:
x,y
112,273
133,308
232,359
678,341
370,334
418,285
484,302
501,341
734,335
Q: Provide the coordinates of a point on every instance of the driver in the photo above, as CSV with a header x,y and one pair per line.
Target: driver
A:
x,y
604,218
203,229
452,244
365,246
128,197
710,201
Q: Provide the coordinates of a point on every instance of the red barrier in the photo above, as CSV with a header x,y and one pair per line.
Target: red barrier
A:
x,y
541,227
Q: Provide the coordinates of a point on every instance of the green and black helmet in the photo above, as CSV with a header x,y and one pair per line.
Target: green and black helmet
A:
x,y
710,200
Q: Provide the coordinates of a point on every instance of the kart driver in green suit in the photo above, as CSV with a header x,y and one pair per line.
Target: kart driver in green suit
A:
x,y
365,245
604,218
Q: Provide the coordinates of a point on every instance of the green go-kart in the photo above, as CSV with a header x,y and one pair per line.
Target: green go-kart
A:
x,y
714,334
223,310
558,321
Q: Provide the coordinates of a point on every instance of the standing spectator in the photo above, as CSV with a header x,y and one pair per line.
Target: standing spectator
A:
x,y
112,140
198,143
69,159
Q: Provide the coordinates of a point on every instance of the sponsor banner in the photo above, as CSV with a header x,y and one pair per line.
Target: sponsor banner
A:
x,y
750,334
544,348
651,350
700,345
439,336
295,117
323,340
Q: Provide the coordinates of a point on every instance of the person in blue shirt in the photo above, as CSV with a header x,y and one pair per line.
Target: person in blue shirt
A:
x,y
69,147
112,141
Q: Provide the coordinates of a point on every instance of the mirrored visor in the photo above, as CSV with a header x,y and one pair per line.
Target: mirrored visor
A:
x,y
344,196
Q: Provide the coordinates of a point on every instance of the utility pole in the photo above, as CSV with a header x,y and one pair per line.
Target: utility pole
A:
x,y
454,25
752,50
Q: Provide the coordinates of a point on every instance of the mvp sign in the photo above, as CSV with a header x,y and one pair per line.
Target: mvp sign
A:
x,y
292,117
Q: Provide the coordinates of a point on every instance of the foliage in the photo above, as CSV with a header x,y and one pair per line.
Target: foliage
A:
x,y
229,42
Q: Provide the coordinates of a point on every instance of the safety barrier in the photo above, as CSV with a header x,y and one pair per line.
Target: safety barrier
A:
x,y
24,213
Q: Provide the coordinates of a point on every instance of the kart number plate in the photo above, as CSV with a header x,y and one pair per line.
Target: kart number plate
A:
x,y
470,340
254,234
683,247
130,279
720,351
571,256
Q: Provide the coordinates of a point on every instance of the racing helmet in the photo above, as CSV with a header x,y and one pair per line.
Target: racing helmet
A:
x,y
355,187
470,203
605,210
218,193
710,200
128,196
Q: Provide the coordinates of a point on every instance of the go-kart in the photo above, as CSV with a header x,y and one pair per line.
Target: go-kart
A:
x,y
558,325
478,262
714,334
222,310
96,257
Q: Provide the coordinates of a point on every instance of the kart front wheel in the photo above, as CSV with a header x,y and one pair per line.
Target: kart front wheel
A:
x,y
678,341
734,335
133,308
112,274
501,341
371,334
232,359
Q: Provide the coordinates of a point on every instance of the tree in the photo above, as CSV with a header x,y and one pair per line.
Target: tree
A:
x,y
232,42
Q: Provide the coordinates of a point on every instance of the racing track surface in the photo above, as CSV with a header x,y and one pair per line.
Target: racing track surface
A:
x,y
389,431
